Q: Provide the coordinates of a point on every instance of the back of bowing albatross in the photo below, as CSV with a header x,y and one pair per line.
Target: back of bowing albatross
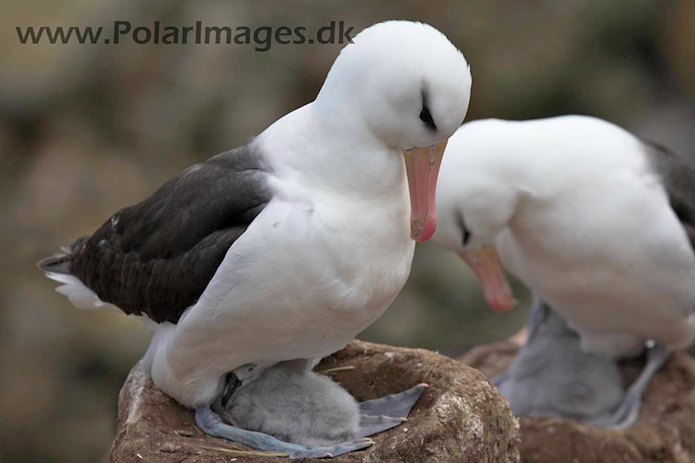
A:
x,y
286,248
597,223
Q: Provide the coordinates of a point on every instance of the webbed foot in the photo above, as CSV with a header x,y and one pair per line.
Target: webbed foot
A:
x,y
388,412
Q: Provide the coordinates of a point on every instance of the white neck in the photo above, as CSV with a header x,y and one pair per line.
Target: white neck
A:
x,y
324,147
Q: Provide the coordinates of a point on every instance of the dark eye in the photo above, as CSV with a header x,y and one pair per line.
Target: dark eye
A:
x,y
465,232
426,117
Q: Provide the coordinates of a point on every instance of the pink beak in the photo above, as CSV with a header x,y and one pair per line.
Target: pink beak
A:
x,y
487,268
422,166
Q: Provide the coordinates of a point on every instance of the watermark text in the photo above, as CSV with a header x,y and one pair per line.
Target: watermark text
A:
x,y
261,37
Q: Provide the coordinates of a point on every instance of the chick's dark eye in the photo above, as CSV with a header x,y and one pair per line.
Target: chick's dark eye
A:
x,y
426,117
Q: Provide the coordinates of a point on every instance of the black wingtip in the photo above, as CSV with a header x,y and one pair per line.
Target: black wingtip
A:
x,y
55,264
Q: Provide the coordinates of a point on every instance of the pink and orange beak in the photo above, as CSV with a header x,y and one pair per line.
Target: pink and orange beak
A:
x,y
422,166
485,263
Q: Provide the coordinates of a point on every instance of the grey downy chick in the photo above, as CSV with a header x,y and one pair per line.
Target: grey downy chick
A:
x,y
295,405
552,376
291,403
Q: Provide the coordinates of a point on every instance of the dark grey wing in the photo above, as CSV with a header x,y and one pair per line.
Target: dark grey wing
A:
x,y
678,176
157,257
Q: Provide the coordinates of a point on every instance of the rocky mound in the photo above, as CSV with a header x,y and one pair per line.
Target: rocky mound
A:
x,y
460,418
664,433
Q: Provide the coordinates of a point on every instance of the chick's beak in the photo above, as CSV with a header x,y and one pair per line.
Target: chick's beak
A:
x,y
422,166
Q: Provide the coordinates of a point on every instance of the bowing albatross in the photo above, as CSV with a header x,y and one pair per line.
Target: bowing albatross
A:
x,y
597,223
288,247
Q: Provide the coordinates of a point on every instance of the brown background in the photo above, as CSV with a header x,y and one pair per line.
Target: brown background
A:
x,y
88,129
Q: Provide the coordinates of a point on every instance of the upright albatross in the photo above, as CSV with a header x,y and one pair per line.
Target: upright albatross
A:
x,y
286,248
599,224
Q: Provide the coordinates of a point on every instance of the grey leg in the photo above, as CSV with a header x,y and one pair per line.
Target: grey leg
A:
x,y
539,312
628,411
395,405
498,380
212,424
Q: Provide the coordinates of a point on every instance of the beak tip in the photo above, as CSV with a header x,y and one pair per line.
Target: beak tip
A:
x,y
487,268
422,233
503,303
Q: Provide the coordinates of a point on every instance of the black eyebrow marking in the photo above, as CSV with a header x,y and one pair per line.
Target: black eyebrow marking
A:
x,y
425,114
465,232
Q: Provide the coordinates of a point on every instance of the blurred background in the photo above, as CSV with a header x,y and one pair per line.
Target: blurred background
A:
x,y
88,129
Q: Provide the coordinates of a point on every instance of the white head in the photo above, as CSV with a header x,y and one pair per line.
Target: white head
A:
x,y
410,87
474,206
476,199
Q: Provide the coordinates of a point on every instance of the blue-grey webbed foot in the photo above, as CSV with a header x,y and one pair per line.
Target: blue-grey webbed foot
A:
x,y
388,412
394,405
373,424
211,423
628,411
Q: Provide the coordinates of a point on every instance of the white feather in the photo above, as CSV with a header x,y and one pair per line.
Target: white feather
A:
x,y
80,295
580,216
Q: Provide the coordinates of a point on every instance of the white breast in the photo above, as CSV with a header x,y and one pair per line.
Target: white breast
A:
x,y
314,269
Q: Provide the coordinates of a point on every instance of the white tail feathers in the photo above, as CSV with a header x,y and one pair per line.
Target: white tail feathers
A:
x,y
76,291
